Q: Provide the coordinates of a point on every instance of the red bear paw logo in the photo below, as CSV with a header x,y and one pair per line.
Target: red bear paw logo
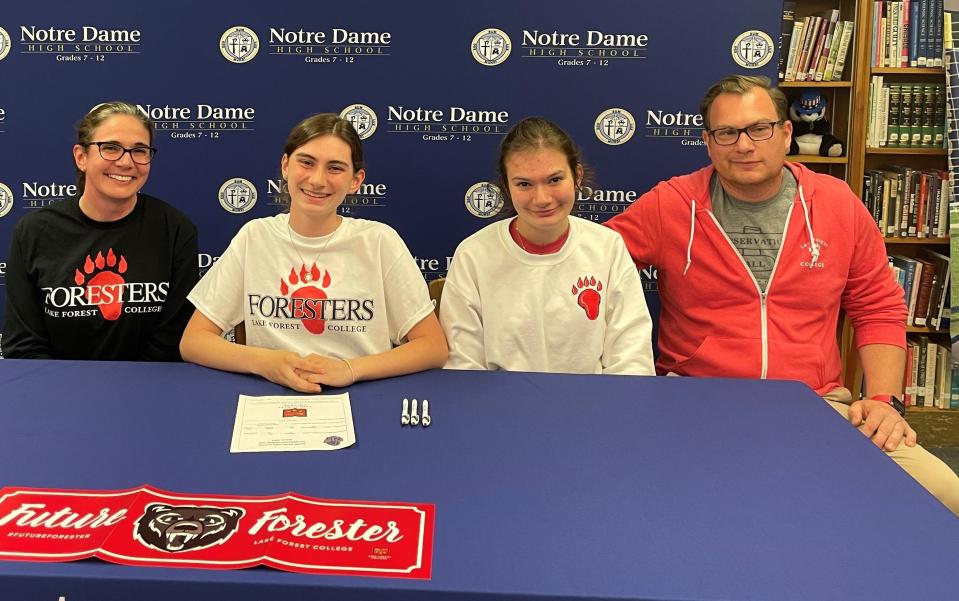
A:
x,y
309,314
105,289
587,289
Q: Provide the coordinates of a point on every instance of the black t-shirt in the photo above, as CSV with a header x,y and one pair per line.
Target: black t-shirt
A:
x,y
84,289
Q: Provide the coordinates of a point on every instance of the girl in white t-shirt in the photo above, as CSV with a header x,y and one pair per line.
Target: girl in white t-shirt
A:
x,y
545,291
323,299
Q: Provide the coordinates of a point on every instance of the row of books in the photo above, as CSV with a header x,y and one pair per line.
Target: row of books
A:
x,y
930,378
925,281
908,33
815,47
906,115
907,202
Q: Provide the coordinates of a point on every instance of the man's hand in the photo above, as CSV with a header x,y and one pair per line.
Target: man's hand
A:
x,y
882,424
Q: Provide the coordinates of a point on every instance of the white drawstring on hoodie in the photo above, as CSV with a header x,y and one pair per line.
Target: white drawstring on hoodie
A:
x,y
813,246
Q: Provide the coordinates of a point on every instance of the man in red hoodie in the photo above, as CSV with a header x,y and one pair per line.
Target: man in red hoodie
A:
x,y
756,257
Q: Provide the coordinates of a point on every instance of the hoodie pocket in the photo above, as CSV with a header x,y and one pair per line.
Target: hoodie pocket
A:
x,y
795,361
724,358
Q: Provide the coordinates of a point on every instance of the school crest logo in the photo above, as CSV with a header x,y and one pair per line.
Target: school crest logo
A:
x,y
587,292
484,200
491,47
176,528
614,126
237,195
6,199
753,49
363,119
239,44
4,43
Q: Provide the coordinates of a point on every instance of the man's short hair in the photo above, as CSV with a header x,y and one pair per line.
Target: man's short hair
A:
x,y
741,84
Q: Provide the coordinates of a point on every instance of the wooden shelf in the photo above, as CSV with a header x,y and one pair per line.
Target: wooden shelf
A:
x,y
924,330
914,409
938,71
815,84
912,240
812,158
913,151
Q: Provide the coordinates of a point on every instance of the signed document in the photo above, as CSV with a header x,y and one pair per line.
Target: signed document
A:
x,y
293,423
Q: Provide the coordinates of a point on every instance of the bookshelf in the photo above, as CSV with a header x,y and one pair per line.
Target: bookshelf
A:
x,y
838,94
863,158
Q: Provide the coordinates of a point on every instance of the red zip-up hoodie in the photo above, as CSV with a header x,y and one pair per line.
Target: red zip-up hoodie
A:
x,y
714,320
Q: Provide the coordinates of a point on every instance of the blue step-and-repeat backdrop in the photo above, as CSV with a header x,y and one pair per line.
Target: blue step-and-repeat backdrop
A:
x,y
431,85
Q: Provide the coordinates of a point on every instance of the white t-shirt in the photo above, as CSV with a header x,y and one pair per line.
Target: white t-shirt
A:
x,y
579,310
351,293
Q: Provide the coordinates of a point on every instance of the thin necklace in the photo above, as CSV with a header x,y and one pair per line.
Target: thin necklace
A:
x,y
304,274
522,240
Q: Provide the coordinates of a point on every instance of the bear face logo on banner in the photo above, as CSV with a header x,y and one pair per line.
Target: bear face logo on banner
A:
x,y
6,199
362,118
239,44
753,49
491,47
237,195
484,200
614,126
175,528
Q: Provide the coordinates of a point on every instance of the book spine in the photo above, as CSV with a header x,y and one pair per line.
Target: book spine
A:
x,y
816,49
932,351
928,115
954,387
904,35
879,188
892,28
921,205
785,35
884,116
921,372
905,116
887,184
794,44
901,19
939,119
915,124
923,294
826,46
812,29
914,293
942,376
895,100
916,358
887,24
895,200
833,51
847,32
937,56
923,51
905,188
944,192
914,205
914,33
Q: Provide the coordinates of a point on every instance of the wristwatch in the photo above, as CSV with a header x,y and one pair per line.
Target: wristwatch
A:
x,y
892,400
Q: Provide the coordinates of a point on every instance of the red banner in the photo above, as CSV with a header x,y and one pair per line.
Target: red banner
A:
x,y
150,527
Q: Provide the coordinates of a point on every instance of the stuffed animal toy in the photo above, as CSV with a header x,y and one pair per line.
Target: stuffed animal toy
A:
x,y
812,133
